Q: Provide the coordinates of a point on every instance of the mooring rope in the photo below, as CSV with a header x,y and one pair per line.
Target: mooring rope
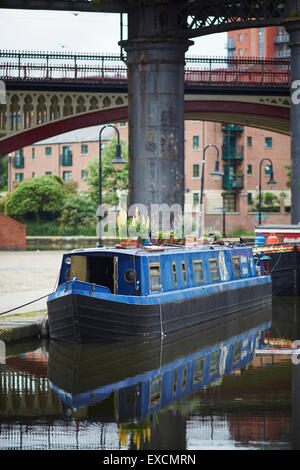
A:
x,y
24,305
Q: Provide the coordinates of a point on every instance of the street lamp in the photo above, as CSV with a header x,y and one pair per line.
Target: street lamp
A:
x,y
117,163
216,173
271,181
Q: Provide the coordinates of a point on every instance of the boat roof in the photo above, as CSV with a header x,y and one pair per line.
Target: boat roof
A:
x,y
153,250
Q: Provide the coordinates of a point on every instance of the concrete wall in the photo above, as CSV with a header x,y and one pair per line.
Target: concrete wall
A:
x,y
12,234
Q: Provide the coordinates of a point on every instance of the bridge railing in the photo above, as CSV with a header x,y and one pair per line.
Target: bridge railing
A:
x,y
16,65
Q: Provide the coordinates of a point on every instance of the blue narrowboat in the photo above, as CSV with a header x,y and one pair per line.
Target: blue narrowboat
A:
x,y
120,294
141,378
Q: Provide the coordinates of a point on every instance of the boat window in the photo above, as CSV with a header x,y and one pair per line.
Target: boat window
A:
x,y
155,391
236,266
175,280
155,277
213,268
184,377
198,370
184,278
130,276
214,362
175,379
198,270
237,351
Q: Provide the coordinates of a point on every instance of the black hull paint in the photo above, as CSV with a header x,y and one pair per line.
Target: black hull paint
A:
x,y
81,319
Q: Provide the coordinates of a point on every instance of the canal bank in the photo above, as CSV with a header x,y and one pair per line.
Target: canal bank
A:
x,y
25,277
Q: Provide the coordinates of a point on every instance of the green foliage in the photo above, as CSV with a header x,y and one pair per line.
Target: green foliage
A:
x,y
52,228
111,179
3,173
78,211
269,200
36,198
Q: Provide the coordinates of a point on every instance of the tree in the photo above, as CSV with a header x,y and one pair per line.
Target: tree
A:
x,y
111,179
37,198
3,173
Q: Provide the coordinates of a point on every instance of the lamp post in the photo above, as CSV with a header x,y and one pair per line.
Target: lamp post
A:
x,y
217,173
117,163
271,181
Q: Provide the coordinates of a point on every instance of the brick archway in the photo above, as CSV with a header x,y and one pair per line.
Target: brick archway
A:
x,y
268,117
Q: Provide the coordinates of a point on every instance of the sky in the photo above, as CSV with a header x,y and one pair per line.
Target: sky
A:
x,y
81,32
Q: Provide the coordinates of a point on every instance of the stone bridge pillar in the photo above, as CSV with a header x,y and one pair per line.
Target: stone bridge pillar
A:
x,y
156,108
293,28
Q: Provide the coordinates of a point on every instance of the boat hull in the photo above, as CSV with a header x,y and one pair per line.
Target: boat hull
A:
x,y
81,318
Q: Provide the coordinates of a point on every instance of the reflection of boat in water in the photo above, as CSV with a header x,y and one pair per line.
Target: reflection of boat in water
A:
x,y
139,378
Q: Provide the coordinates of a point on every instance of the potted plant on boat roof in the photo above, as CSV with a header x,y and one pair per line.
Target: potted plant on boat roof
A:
x,y
138,230
122,228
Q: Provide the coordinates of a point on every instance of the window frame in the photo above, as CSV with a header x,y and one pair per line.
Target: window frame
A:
x,y
151,275
239,265
198,269
196,377
183,271
174,273
153,400
210,269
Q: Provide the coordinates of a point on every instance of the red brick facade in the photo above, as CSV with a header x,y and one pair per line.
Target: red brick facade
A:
x,y
12,234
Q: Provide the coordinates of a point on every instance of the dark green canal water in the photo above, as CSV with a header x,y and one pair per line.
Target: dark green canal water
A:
x,y
223,385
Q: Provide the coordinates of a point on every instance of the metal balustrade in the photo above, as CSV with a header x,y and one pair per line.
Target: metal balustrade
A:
x,y
227,71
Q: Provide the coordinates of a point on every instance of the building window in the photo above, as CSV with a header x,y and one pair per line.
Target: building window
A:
x,y
174,270
198,271
213,268
84,174
267,170
261,42
33,174
123,124
48,151
33,153
19,177
155,277
249,142
196,171
240,52
250,200
195,142
195,199
84,149
240,37
249,169
48,173
67,175
268,142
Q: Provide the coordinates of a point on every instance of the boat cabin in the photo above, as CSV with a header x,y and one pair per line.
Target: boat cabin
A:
x,y
151,271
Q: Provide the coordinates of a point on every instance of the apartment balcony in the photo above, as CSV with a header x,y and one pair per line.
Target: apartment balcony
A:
x,y
282,54
282,39
232,128
233,153
18,162
235,182
66,159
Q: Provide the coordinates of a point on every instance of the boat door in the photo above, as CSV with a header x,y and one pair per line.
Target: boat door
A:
x,y
128,276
